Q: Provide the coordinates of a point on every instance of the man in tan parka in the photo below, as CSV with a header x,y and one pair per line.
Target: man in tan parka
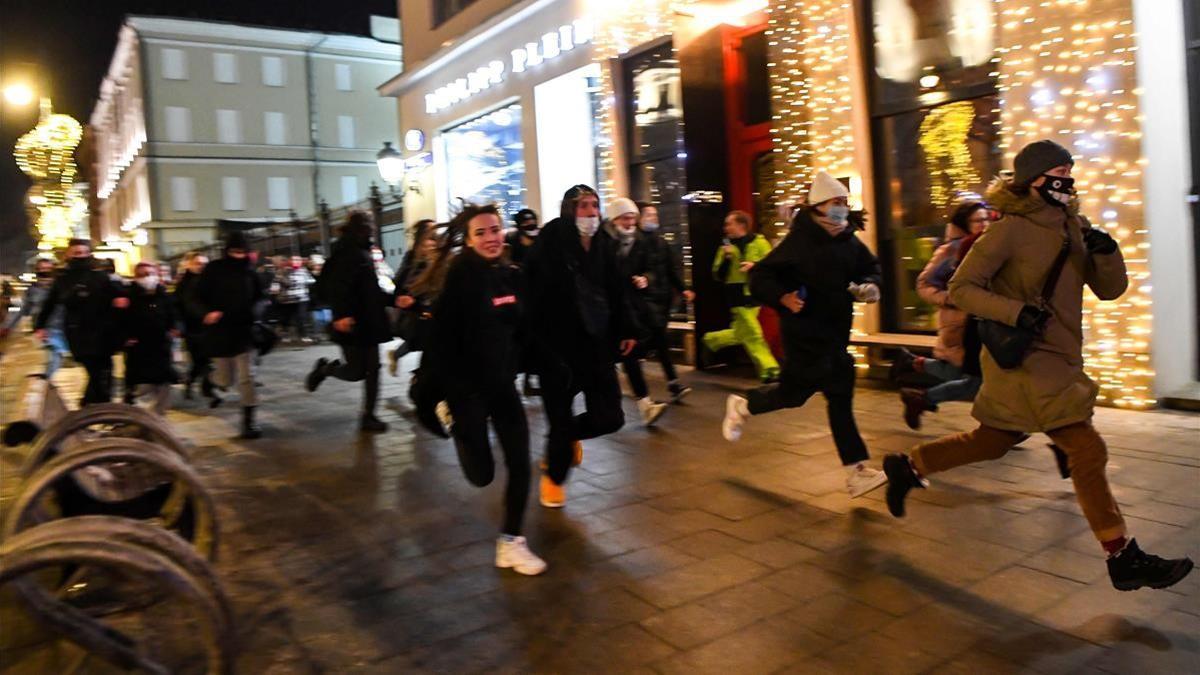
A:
x,y
1001,279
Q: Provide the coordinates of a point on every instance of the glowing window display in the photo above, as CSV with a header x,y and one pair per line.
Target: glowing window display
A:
x,y
485,161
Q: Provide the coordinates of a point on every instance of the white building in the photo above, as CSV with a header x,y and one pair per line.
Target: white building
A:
x,y
202,121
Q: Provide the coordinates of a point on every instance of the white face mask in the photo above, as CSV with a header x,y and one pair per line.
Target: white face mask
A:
x,y
149,283
587,224
649,225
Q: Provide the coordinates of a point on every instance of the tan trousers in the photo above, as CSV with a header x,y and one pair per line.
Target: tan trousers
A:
x,y
1086,453
241,367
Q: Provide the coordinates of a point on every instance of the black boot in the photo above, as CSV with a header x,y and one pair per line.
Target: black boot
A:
x,y
903,364
1133,568
1060,458
371,424
915,404
902,477
250,428
317,375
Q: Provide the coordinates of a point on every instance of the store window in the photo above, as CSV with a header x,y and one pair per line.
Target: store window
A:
x,y
654,139
566,109
935,127
444,10
485,161
1191,14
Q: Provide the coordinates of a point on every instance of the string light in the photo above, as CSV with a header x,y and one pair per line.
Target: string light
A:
x,y
1067,72
943,141
46,154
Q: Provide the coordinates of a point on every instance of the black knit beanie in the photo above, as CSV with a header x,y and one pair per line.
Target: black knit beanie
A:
x,y
1036,159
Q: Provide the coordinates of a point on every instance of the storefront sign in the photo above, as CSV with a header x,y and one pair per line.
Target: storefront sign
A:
x,y
551,45
414,140
418,162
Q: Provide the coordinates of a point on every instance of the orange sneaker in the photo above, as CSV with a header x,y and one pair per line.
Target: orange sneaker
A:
x,y
578,458
552,496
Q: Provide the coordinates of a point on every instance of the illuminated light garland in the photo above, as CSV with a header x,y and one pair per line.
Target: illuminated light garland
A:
x,y
1067,72
46,154
944,136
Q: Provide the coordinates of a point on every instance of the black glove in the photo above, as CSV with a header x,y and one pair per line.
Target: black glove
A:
x,y
1032,318
1099,241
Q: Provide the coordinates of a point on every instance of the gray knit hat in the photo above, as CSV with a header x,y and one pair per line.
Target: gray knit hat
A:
x,y
1037,158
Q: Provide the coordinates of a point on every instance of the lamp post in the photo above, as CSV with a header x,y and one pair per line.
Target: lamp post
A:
x,y
391,165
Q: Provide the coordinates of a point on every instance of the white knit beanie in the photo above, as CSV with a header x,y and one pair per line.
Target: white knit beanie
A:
x,y
826,187
620,206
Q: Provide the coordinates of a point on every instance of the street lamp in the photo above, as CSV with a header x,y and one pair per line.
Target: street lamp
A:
x,y
18,94
391,164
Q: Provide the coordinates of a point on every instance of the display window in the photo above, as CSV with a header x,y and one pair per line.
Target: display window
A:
x,y
485,161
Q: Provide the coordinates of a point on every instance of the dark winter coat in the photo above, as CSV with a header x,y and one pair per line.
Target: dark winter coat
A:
x,y
809,259
185,304
147,322
352,290
232,287
86,296
578,305
661,269
477,334
517,250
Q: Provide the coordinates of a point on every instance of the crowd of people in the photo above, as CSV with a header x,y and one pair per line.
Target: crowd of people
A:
x,y
566,302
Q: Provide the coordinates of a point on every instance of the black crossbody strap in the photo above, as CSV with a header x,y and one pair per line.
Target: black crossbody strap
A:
x,y
1056,268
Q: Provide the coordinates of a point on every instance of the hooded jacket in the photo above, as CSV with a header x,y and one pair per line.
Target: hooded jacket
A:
x,y
823,266
1005,270
352,289
86,296
578,303
231,286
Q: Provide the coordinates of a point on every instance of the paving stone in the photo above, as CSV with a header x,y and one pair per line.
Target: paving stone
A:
x,y
763,647
689,582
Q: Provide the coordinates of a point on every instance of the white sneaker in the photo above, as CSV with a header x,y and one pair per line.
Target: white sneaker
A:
x,y
863,479
736,412
443,414
514,553
651,410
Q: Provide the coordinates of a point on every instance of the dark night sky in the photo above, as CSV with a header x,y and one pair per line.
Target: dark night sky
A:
x,y
71,41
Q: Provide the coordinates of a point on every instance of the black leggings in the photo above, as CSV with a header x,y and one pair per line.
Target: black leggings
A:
x,y
361,364
471,414
201,363
804,374
603,415
633,363
99,385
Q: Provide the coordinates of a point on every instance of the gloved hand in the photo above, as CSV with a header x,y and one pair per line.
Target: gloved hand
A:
x,y
1033,318
1099,241
867,292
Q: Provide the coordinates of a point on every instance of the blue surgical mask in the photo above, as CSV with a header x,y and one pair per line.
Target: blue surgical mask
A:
x,y
649,225
838,213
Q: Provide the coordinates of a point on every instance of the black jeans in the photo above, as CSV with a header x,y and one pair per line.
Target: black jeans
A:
x,y
632,364
471,414
805,372
201,363
603,415
361,364
99,385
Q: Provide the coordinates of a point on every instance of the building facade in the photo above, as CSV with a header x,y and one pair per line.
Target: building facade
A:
x,y
711,105
199,122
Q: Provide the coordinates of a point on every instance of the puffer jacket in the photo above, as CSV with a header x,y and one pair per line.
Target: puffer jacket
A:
x,y
1005,270
933,287
353,291
293,285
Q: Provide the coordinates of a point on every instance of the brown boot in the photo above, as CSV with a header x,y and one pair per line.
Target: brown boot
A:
x,y
915,404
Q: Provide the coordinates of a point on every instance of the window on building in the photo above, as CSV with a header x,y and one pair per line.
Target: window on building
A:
x,y
345,131
225,68
183,193
233,193
275,126
349,189
654,138
174,64
934,126
273,73
444,10
178,124
279,193
341,77
485,161
229,126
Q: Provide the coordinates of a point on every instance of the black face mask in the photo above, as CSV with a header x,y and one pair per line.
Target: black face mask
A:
x,y
529,226
80,263
44,275
1057,190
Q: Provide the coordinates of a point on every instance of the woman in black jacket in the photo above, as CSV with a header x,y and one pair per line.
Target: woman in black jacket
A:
x,y
193,325
813,278
360,322
474,357
149,326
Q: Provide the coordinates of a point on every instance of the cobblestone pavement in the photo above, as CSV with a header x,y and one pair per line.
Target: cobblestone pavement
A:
x,y
676,552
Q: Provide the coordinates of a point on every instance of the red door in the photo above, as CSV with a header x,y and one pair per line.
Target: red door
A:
x,y
748,122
